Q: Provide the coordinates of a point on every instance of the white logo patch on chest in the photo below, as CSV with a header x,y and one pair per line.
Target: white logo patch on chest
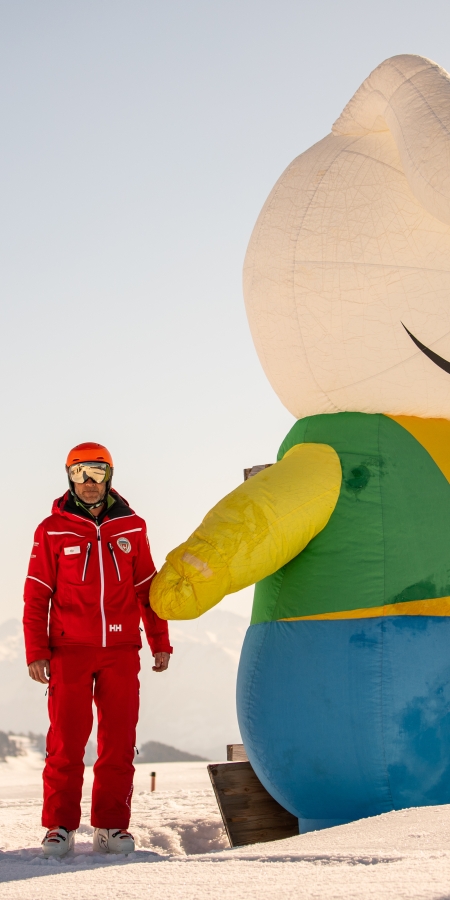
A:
x,y
124,544
70,551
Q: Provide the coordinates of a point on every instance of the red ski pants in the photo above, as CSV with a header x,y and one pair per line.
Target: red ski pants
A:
x,y
79,675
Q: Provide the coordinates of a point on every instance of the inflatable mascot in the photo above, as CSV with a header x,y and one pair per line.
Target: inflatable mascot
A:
x,y
344,680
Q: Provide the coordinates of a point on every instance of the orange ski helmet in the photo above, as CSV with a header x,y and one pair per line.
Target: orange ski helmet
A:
x,y
89,452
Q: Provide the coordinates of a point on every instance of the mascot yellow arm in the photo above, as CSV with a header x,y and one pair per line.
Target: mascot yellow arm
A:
x,y
251,533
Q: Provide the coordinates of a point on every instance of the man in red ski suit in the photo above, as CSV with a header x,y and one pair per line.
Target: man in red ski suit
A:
x,y
86,591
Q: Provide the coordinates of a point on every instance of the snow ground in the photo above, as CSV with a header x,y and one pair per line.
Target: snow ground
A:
x,y
183,852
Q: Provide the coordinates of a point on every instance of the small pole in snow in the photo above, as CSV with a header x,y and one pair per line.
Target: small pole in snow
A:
x,y
153,781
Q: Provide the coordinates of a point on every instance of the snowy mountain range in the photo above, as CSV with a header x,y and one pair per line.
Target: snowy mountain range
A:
x,y
192,706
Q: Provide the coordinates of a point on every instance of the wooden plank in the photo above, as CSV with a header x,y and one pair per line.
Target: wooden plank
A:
x,y
236,753
249,813
253,470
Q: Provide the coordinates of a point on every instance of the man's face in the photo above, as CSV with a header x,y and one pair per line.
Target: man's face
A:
x,y
90,492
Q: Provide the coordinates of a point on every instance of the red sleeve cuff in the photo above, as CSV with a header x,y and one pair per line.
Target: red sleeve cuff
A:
x,y
41,653
160,645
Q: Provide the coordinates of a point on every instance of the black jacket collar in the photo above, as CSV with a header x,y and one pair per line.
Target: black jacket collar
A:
x,y
116,510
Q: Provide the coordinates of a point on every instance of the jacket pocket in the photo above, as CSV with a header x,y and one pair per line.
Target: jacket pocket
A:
x,y
116,565
86,560
76,568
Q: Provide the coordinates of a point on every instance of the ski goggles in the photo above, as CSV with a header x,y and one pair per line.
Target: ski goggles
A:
x,y
97,471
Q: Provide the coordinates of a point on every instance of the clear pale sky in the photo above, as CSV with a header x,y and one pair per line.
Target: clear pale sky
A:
x,y
139,140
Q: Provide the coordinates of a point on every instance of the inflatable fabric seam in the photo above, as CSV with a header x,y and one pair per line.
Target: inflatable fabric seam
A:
x,y
439,606
432,434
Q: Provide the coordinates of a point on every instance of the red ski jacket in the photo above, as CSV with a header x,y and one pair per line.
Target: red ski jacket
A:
x,y
94,577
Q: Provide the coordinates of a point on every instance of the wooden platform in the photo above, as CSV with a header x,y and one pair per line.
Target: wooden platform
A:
x,y
236,753
249,813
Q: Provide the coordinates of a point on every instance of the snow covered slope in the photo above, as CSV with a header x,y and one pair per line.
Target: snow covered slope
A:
x,y
183,852
192,706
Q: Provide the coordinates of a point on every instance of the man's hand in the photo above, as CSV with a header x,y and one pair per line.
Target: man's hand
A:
x,y
161,662
40,670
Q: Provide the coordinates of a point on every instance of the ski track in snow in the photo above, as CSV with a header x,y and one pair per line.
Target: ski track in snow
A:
x,y
182,850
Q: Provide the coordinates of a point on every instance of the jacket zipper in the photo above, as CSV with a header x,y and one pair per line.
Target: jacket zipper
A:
x,y
102,574
102,586
111,550
86,561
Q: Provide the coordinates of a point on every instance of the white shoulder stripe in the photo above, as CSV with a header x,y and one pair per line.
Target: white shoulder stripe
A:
x,y
130,531
145,579
66,532
40,582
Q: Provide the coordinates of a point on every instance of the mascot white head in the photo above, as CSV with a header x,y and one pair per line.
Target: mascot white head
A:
x,y
347,275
